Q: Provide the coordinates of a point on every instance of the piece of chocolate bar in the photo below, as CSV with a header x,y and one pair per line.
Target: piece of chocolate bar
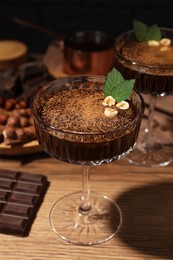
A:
x,y
21,194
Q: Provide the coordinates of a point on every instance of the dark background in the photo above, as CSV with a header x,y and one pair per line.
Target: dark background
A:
x,y
66,16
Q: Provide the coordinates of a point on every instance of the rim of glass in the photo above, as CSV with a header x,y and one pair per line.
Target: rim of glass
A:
x,y
78,78
131,32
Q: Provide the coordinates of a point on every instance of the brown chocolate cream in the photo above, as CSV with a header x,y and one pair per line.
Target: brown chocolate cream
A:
x,y
71,124
150,63
144,54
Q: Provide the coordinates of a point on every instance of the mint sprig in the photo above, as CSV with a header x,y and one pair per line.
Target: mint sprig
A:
x,y
117,87
144,32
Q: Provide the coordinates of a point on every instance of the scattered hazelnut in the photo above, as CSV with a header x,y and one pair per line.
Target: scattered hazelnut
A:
x,y
24,113
28,111
16,122
24,122
110,112
20,104
9,132
164,48
3,119
123,105
30,131
13,121
16,112
153,43
21,134
31,121
108,101
165,42
10,104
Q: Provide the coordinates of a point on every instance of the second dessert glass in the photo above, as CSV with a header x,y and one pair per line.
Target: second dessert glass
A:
x,y
154,77
84,218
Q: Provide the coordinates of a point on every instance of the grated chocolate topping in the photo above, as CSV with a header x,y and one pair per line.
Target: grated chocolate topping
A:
x,y
81,110
148,55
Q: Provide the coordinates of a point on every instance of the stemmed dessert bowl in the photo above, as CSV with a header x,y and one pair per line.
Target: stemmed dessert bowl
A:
x,y
153,78
85,217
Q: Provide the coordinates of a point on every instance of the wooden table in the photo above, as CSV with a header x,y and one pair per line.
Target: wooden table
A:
x,y
143,194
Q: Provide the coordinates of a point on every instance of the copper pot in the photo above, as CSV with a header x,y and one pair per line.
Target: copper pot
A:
x,y
85,52
88,52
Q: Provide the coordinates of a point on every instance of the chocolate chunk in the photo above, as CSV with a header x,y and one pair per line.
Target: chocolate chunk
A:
x,y
22,81
21,195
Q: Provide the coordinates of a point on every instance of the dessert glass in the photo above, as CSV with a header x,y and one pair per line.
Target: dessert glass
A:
x,y
85,218
154,79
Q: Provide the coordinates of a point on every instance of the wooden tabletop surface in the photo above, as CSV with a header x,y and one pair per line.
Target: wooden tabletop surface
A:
x,y
143,194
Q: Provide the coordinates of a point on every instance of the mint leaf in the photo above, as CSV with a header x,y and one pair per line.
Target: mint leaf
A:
x,y
117,87
113,78
140,29
143,32
123,90
153,33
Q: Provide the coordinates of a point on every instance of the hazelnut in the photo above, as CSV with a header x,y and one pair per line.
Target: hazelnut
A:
x,y
24,122
165,48
28,111
21,134
23,112
31,121
13,121
108,101
123,105
110,112
3,118
20,104
165,42
30,132
16,113
9,132
10,104
153,43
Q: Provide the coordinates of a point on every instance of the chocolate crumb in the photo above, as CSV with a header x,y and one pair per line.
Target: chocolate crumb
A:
x,y
81,110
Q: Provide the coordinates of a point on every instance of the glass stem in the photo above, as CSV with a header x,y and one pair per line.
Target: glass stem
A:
x,y
85,206
148,131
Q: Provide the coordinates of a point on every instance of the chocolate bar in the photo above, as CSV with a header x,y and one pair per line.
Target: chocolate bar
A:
x,y
21,195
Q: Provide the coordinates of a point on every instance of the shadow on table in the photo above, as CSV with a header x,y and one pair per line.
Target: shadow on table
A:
x,y
148,219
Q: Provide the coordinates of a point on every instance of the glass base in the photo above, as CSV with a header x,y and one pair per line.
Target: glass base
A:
x,y
95,226
155,149
153,156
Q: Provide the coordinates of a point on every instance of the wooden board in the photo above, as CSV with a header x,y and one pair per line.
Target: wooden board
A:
x,y
28,148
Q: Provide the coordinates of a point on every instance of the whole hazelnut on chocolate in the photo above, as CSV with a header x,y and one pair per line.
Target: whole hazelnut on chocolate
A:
x,y
31,120
20,104
28,111
30,132
21,134
3,118
9,132
13,121
24,121
24,113
10,104
16,112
